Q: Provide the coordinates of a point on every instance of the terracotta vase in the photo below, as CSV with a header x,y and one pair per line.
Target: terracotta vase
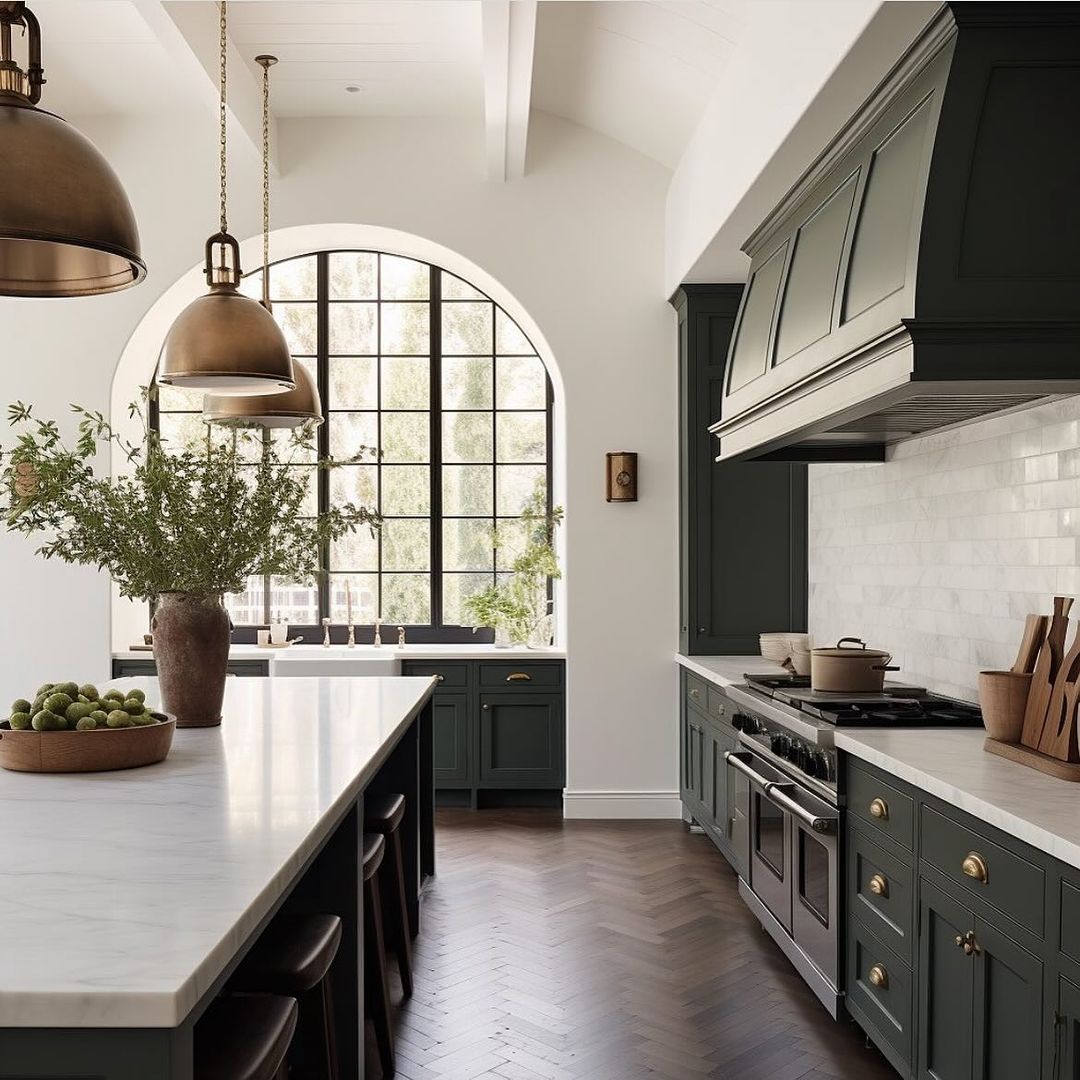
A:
x,y
191,647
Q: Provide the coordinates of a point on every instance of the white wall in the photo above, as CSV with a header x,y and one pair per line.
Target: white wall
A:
x,y
578,244
940,553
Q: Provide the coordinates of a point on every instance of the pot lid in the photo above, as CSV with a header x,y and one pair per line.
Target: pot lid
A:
x,y
858,648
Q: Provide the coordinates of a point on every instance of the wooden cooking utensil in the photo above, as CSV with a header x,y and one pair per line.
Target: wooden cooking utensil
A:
x,y
1058,732
1030,644
1046,669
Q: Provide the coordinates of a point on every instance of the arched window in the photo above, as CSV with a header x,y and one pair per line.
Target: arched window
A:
x,y
423,366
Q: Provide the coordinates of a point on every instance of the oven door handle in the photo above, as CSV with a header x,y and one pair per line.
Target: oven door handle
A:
x,y
778,794
738,760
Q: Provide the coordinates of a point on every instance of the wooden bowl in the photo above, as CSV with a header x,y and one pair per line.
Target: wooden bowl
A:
x,y
1003,697
101,750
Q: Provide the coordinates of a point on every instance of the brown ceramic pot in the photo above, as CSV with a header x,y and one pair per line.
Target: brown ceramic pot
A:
x,y
191,647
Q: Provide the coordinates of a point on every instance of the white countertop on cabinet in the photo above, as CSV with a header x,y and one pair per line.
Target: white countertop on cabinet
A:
x,y
951,764
123,895
728,670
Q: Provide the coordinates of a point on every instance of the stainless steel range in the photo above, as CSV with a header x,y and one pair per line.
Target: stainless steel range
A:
x,y
786,826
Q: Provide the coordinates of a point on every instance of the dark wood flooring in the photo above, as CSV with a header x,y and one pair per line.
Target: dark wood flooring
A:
x,y
608,951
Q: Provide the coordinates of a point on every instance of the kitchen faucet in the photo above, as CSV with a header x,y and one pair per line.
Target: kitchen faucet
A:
x,y
326,634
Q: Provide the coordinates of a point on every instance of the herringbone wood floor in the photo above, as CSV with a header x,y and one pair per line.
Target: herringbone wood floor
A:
x,y
604,951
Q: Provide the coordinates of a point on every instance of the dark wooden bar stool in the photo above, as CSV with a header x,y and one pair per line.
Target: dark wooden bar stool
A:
x,y
244,1038
384,814
376,990
293,958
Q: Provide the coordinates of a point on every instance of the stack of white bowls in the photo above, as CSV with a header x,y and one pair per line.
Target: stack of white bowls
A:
x,y
784,647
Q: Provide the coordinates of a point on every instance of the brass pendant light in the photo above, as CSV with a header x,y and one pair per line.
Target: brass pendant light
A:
x,y
66,226
292,408
225,341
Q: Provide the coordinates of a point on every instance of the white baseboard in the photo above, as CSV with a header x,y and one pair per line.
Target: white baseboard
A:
x,y
630,805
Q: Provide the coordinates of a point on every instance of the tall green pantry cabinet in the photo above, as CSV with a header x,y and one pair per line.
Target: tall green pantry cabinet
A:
x,y
742,525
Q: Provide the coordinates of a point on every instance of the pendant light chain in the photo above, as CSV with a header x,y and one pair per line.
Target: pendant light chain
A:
x,y
266,180
222,116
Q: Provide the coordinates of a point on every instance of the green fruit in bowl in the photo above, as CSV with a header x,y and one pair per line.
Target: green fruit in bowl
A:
x,y
58,702
101,716
76,711
44,689
112,695
19,721
136,695
119,719
86,723
48,721
144,719
89,691
133,707
69,688
22,705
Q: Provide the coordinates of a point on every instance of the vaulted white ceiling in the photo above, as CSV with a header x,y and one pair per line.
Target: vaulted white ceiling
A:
x,y
639,71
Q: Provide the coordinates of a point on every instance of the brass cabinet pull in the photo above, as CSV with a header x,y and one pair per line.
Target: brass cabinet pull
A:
x,y
879,885
879,808
974,865
440,678
879,977
968,943
694,692
519,676
487,706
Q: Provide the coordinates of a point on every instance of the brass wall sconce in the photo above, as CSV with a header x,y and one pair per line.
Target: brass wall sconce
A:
x,y
622,476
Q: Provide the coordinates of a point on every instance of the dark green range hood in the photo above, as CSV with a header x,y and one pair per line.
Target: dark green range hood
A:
x,y
925,270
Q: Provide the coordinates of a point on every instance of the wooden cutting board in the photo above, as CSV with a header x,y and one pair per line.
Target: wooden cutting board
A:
x,y
1059,730
1046,669
1030,644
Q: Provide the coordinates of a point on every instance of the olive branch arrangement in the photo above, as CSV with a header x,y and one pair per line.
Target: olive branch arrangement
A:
x,y
186,518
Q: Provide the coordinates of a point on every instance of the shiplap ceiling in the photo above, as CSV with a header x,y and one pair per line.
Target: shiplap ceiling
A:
x,y
639,71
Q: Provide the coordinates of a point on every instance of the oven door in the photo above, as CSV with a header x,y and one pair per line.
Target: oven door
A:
x,y
769,862
814,877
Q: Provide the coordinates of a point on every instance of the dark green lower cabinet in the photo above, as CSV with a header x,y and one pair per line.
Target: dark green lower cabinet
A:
x,y
1066,1060
452,739
521,740
499,731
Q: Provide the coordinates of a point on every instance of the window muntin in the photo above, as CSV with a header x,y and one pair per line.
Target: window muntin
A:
x,y
421,365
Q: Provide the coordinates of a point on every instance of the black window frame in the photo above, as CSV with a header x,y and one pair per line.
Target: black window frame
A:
x,y
437,632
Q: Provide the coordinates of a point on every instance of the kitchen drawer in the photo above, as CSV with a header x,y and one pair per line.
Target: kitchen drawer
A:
x,y
697,691
881,805
880,892
887,1007
1013,886
720,707
505,674
449,673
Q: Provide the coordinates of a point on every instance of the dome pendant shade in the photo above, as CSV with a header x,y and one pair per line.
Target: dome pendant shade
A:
x,y
291,409
66,226
225,341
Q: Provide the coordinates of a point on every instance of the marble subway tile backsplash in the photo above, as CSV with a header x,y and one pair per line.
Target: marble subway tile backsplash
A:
x,y
940,552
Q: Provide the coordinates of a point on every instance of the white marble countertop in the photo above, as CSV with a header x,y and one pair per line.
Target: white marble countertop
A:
x,y
728,670
951,764
124,895
388,651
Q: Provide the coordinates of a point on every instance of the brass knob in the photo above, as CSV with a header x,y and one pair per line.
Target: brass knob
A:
x,y
967,942
519,676
974,865
879,808
440,678
879,886
487,706
695,693
879,977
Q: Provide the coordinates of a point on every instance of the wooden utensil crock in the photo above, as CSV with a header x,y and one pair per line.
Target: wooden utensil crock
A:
x,y
1003,698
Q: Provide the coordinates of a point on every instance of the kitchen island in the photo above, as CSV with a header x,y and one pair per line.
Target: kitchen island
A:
x,y
128,898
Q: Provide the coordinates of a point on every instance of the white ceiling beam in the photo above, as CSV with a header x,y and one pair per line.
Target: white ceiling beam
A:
x,y
190,34
509,36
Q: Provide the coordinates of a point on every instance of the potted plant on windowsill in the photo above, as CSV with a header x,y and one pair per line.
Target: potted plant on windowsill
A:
x,y
186,525
519,610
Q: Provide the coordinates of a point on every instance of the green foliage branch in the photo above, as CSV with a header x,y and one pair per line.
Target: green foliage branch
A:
x,y
188,518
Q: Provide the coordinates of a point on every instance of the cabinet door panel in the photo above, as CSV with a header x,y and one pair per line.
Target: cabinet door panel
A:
x,y
521,739
946,988
1008,1007
1067,1031
453,760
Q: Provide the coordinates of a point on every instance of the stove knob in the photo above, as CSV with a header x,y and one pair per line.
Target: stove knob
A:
x,y
738,721
778,744
793,751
